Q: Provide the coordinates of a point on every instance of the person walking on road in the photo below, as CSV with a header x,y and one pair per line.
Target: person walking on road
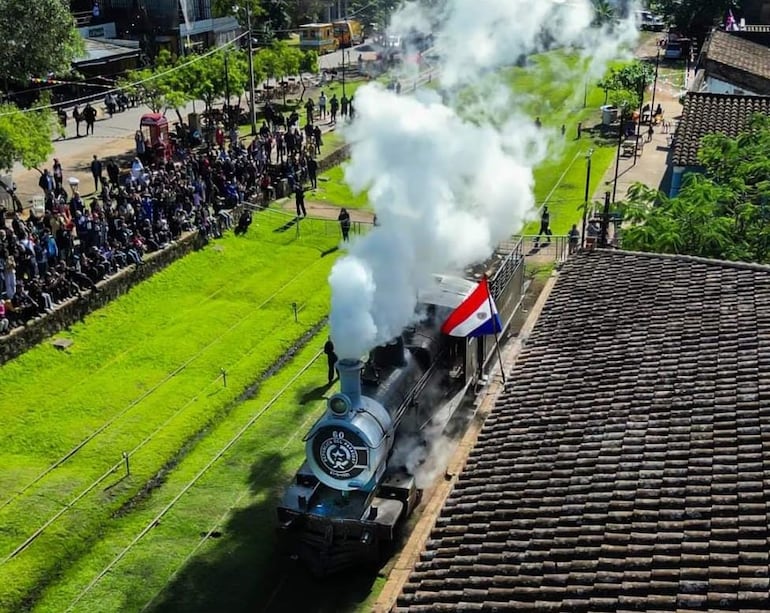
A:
x,y
89,116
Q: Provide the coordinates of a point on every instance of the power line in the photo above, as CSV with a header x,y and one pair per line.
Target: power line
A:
x,y
134,84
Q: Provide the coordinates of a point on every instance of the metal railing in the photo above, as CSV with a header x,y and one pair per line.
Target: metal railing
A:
x,y
554,248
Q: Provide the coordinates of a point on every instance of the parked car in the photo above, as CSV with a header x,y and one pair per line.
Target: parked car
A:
x,y
649,21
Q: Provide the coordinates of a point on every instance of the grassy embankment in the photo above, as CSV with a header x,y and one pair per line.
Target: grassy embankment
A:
x,y
146,369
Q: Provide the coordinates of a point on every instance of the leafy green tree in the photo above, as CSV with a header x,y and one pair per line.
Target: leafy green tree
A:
x,y
694,17
158,87
722,213
372,12
604,11
38,38
237,8
25,137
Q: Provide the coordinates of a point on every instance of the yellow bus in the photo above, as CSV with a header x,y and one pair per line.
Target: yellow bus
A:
x,y
348,33
318,37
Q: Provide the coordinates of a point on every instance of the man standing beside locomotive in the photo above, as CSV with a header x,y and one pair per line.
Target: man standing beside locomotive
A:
x,y
331,358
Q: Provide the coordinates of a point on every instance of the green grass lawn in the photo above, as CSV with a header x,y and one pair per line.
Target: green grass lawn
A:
x,y
554,90
333,189
150,363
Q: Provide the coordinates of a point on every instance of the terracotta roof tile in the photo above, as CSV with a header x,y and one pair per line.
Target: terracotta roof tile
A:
x,y
703,114
626,466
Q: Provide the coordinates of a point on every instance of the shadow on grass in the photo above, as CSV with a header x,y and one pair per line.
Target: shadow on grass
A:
x,y
315,394
248,569
288,225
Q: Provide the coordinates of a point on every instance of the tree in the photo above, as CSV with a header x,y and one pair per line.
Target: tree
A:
x,y
38,38
693,17
372,12
237,8
25,137
604,11
158,87
723,213
625,86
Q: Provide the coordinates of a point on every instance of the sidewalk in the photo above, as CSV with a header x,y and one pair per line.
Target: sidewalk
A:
x,y
651,165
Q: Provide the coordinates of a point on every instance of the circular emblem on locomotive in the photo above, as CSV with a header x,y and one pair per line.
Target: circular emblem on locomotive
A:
x,y
340,454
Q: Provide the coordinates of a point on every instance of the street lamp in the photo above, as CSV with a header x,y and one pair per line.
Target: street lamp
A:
x,y
589,153
622,114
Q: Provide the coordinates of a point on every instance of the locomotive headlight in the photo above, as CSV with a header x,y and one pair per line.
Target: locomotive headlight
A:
x,y
339,405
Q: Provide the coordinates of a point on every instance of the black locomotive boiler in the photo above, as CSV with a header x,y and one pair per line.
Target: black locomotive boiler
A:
x,y
349,498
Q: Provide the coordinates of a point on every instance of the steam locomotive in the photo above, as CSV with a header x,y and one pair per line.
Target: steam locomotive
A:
x,y
350,497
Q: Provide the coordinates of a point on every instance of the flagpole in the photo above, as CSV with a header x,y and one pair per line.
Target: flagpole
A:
x,y
494,327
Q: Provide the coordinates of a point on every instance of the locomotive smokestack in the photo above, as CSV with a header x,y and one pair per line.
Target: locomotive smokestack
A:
x,y
350,380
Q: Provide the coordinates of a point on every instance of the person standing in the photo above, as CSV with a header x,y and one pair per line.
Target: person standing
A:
x,y
58,173
46,182
89,115
96,171
62,115
322,106
344,106
334,106
77,118
344,219
312,172
574,239
545,226
299,200
331,358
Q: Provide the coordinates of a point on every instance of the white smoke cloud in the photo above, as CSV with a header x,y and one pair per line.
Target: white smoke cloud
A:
x,y
447,186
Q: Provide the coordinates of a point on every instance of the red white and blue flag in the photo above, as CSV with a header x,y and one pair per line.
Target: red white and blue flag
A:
x,y
476,316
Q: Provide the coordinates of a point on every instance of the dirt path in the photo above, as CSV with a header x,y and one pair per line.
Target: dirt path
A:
x,y
324,210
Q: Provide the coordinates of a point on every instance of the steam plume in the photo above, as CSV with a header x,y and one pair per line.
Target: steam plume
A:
x,y
449,174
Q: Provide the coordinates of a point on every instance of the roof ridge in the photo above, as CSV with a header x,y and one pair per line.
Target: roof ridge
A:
x,y
689,258
725,95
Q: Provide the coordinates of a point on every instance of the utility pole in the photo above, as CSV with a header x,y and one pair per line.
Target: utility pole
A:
x,y
655,83
617,155
252,109
227,93
589,153
639,124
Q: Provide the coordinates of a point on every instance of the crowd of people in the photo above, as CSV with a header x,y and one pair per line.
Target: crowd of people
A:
x,y
50,257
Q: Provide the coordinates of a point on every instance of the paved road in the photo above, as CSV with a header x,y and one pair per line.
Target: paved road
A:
x,y
334,60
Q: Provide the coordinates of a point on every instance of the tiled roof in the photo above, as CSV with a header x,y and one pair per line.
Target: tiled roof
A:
x,y
626,466
705,113
734,59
